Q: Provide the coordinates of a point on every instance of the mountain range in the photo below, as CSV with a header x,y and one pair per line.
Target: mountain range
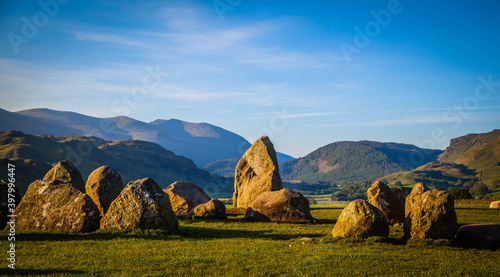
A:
x,y
34,155
202,142
164,149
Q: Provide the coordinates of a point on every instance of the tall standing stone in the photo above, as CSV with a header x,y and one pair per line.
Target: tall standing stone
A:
x,y
256,172
382,197
103,186
432,216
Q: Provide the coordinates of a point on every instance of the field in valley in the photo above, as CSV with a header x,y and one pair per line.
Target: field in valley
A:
x,y
235,248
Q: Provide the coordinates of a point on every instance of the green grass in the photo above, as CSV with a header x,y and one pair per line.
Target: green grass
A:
x,y
234,248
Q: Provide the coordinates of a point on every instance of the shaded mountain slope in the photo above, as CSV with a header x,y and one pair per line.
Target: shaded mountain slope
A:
x,y
132,159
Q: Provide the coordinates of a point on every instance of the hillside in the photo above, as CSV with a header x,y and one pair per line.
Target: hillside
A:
x,y
434,174
478,151
132,159
471,161
202,142
347,161
223,168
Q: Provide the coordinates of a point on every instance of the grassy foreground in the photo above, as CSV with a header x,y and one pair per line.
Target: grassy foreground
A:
x,y
214,248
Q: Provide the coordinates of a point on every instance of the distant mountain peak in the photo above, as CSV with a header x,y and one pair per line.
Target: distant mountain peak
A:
x,y
202,129
202,142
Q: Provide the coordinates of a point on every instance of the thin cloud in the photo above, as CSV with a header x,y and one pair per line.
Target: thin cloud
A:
x,y
107,37
429,119
182,93
285,114
437,109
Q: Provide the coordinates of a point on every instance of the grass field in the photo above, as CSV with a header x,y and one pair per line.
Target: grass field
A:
x,y
234,248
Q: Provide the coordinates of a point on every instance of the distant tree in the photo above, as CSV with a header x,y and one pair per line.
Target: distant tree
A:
x,y
479,189
460,193
313,201
339,196
467,185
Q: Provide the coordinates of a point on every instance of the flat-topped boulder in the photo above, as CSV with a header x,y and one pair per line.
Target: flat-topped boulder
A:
x,y
56,205
495,205
360,219
142,204
103,186
5,209
382,197
279,206
432,216
66,172
256,172
480,236
212,209
185,196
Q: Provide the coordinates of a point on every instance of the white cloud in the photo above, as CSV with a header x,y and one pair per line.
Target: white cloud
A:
x,y
168,91
284,114
108,38
424,119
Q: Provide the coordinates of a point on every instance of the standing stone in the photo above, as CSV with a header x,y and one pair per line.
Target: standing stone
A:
x,y
279,206
212,209
361,219
256,172
141,205
185,196
382,197
66,172
495,205
56,205
479,236
4,202
103,186
432,216
415,193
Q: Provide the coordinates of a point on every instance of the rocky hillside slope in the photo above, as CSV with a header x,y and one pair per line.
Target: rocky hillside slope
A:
x,y
132,159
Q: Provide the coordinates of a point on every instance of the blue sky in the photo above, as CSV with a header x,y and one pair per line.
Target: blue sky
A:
x,y
420,72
